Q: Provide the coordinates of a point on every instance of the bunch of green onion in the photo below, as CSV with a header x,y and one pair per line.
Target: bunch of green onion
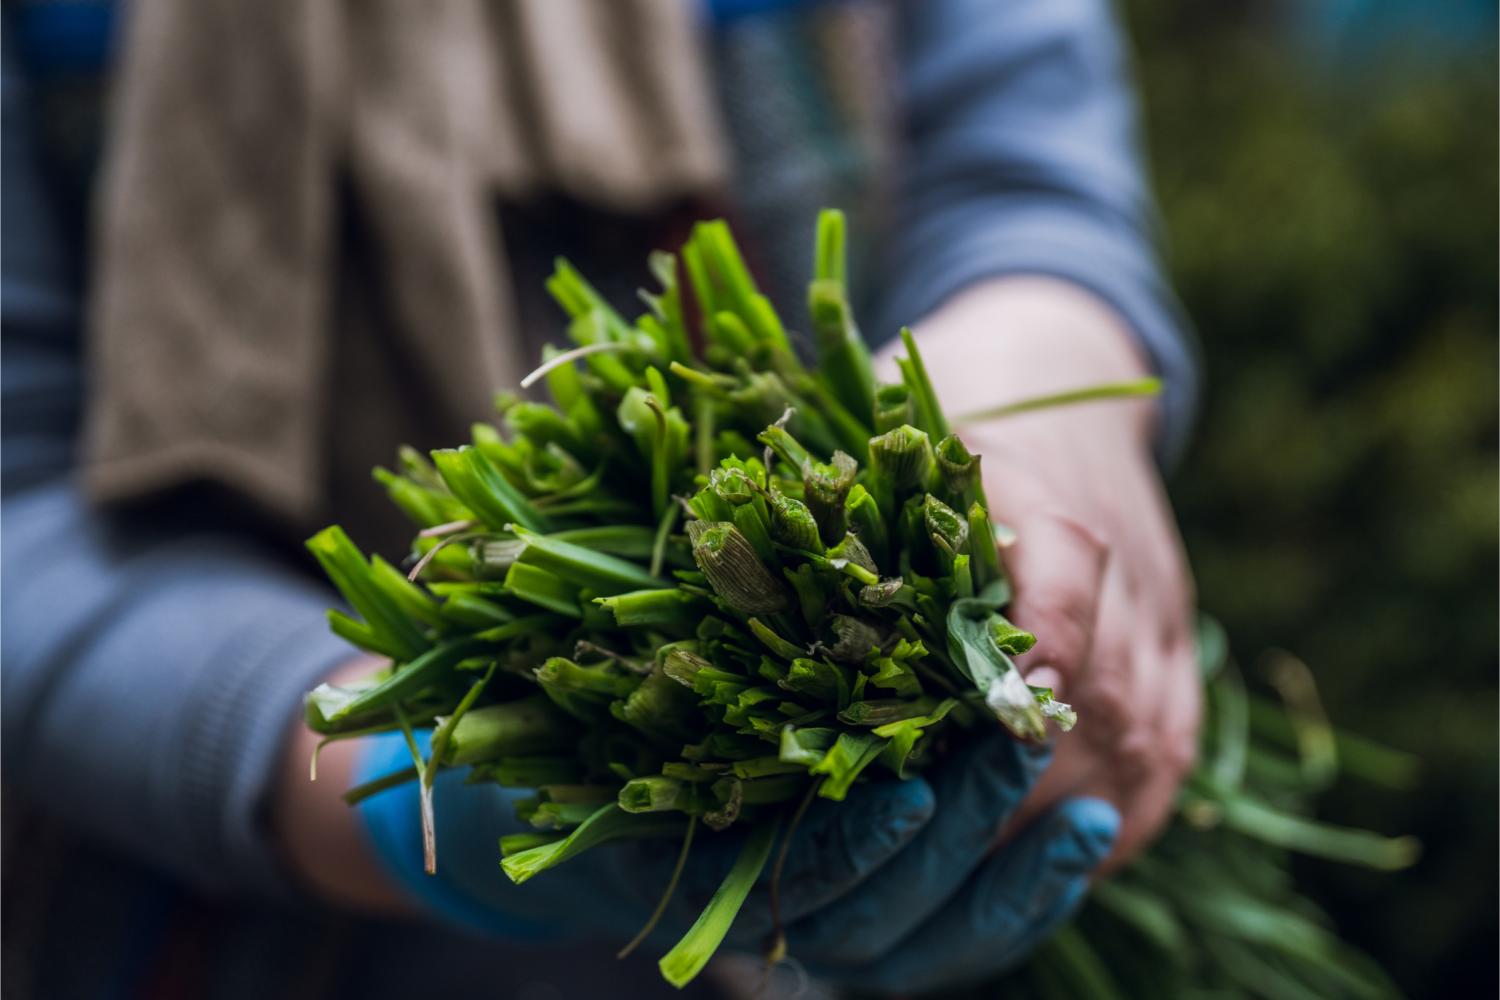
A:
x,y
706,584
1213,909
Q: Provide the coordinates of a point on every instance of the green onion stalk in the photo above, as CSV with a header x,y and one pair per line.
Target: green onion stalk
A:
x,y
710,580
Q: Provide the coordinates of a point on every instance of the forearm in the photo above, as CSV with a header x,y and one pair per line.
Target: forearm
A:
x,y
150,680
1008,339
153,676
1024,162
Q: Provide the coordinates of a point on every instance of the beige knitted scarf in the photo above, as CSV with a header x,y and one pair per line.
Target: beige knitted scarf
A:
x,y
298,259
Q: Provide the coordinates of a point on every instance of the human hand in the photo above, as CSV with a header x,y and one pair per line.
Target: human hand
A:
x,y
321,839
1097,565
948,910
893,889
612,889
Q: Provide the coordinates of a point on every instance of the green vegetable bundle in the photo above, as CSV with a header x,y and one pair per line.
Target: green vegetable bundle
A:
x,y
1213,908
703,586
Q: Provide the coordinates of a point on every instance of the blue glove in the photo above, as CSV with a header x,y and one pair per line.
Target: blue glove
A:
x,y
941,909
612,889
893,888
948,911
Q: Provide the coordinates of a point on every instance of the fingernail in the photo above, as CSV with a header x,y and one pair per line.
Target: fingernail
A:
x,y
1045,677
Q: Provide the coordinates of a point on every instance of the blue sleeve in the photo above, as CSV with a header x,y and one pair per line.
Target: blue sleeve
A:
x,y
1024,159
150,673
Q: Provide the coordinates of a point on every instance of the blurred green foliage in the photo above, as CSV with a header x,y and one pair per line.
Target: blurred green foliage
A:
x,y
1331,226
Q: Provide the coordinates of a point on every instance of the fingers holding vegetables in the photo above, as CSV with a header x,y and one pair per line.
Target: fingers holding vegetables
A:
x,y
837,848
1057,565
1008,906
976,790
1156,754
1130,670
1094,558
1140,684
721,615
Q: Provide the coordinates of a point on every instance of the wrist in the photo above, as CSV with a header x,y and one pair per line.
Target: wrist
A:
x,y
320,835
1018,337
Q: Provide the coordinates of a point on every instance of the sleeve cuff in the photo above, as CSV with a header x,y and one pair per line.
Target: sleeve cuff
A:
x,y
948,252
233,747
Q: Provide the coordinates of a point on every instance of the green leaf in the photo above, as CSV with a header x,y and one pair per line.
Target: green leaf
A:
x,y
329,708
657,793
773,642
806,747
1148,913
468,610
1249,815
608,822
544,589
515,843
529,771
415,602
904,734
660,709
360,634
985,562
668,305
583,565
818,679
425,506
475,480
972,645
1231,728
1089,394
924,398
388,622
661,608
688,957
442,736
733,568
850,754
843,358
528,726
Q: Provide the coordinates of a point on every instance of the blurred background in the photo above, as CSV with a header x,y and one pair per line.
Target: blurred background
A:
x,y
1327,177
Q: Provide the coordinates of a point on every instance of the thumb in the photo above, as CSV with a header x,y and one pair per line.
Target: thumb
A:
x,y
1057,567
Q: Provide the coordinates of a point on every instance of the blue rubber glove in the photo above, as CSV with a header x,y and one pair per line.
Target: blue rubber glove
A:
x,y
945,909
893,889
612,889
949,910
